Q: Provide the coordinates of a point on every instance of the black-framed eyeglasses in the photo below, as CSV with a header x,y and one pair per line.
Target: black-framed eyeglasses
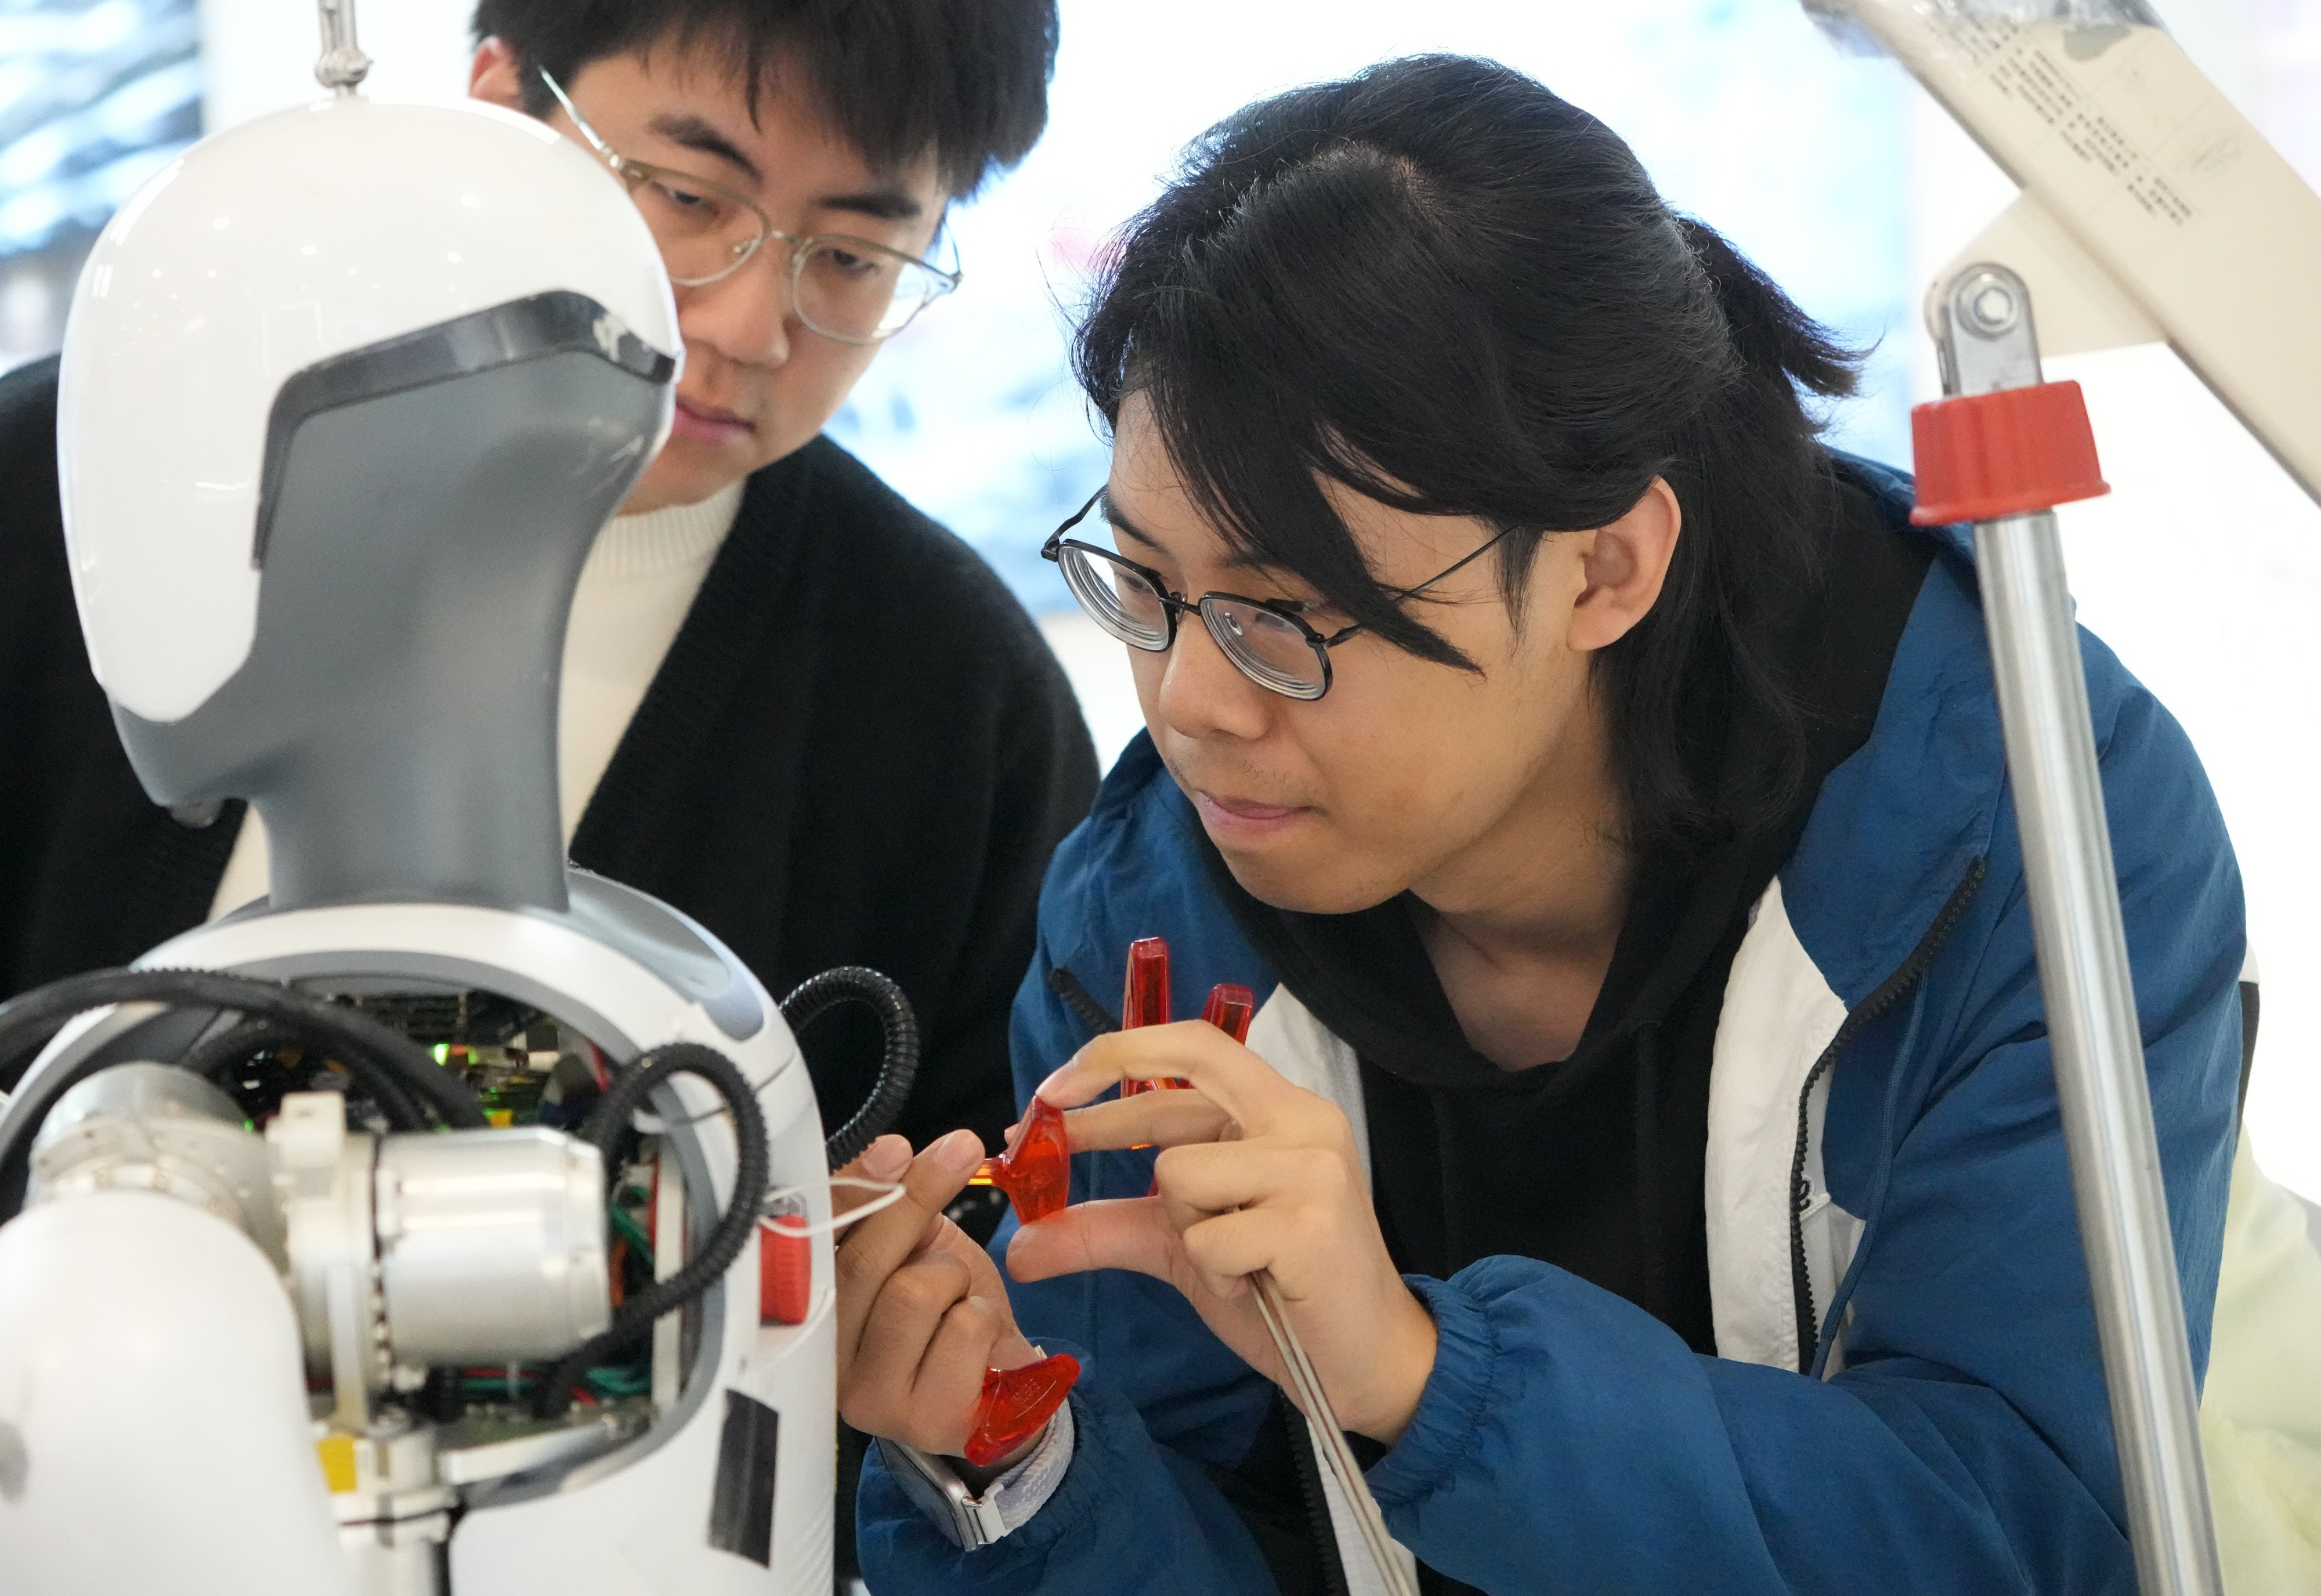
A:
x,y
845,288
1268,640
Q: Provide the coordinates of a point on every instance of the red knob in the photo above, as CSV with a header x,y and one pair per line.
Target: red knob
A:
x,y
1984,456
785,1270
1144,997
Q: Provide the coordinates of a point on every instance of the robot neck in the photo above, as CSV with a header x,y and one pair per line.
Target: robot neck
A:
x,y
396,720
438,785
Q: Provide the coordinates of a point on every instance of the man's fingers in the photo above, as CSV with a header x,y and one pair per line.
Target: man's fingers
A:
x,y
950,1238
1230,1247
894,1336
885,1159
1164,1119
1110,1234
875,1247
876,1382
1224,1071
950,1377
1215,1176
1012,1351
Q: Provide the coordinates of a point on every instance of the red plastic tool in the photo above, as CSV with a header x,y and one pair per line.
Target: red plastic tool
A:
x,y
1144,1001
1016,1404
1230,1009
1036,1172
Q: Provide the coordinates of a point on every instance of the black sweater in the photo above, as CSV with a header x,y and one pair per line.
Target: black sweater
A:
x,y
858,750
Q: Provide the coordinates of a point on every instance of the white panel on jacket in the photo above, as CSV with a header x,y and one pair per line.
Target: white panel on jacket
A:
x,y
1780,1016
1304,1052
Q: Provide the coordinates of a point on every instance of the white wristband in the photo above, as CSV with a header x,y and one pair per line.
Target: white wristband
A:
x,y
1006,1504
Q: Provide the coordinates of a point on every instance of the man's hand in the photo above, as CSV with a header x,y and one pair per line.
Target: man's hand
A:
x,y
922,1311
1256,1174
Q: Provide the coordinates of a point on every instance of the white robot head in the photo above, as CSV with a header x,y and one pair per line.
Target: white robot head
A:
x,y
347,391
259,254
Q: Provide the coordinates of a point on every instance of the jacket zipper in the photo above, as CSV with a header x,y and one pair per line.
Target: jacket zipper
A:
x,y
1081,1001
1888,992
1317,1506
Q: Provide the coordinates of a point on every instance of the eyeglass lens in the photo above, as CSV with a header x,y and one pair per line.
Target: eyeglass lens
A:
x,y
857,294
1268,649
1119,600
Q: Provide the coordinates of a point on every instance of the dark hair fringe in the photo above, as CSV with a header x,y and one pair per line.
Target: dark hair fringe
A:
x,y
967,79
1443,286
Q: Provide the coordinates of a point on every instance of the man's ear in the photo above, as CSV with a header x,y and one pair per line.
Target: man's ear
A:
x,y
496,75
1625,566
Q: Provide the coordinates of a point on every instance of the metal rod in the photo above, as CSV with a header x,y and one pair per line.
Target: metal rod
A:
x,y
1336,1453
2099,1053
343,64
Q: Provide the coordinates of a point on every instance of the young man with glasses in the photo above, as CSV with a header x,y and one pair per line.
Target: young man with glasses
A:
x,y
1648,1126
791,704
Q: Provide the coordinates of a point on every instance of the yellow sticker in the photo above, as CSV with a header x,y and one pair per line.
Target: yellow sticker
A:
x,y
338,1454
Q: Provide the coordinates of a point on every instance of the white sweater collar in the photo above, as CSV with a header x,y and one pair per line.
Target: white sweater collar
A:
x,y
664,539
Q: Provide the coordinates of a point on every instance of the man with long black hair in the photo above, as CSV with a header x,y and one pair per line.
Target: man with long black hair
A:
x,y
1648,1125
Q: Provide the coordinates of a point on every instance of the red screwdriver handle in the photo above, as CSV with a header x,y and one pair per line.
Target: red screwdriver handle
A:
x,y
1036,1173
1014,1404
1144,998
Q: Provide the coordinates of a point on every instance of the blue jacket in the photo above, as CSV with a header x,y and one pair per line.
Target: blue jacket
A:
x,y
1952,1432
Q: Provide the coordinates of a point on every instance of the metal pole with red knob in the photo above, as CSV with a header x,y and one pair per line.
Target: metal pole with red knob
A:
x,y
2002,451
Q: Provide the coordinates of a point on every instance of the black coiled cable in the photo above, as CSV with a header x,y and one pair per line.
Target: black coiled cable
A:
x,y
227,1052
897,1068
609,1123
397,1073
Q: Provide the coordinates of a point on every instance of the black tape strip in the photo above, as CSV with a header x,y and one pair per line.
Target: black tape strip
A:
x,y
741,1510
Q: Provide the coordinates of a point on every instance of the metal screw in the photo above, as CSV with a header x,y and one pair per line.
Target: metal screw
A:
x,y
1988,306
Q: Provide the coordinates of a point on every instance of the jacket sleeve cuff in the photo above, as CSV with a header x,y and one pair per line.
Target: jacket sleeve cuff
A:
x,y
1440,1435
1024,1490
1060,1491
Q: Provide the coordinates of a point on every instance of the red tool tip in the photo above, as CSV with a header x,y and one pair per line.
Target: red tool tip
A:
x,y
1016,1404
1230,1009
1145,1000
1036,1173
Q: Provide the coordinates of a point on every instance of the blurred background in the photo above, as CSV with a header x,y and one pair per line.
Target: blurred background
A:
x,y
2203,569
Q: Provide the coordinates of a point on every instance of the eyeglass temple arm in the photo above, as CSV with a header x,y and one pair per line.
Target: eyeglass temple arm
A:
x,y
1503,534
1344,632
579,120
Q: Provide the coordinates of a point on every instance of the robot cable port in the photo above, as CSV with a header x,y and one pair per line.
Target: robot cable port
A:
x,y
608,1122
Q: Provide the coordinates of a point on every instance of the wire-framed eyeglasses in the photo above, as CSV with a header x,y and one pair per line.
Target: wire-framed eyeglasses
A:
x,y
845,288
1267,640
